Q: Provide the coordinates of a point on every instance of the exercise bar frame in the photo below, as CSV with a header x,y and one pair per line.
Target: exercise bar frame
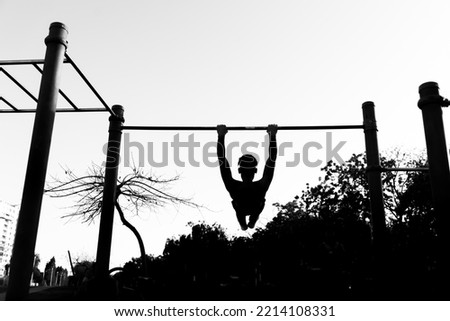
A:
x,y
29,214
373,172
430,103
116,128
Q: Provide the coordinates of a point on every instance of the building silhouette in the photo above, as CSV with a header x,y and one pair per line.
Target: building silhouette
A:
x,y
8,221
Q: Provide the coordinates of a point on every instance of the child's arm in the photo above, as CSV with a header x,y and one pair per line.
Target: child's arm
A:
x,y
273,151
225,171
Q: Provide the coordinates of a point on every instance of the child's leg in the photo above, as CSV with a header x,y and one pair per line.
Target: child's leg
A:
x,y
254,217
240,216
242,220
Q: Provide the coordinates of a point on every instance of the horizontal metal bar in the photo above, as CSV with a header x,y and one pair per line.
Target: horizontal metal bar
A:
x,y
58,110
24,62
324,127
82,110
9,111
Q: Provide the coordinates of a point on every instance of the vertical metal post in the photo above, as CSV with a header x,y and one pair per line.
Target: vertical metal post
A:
x,y
375,189
109,192
431,103
28,221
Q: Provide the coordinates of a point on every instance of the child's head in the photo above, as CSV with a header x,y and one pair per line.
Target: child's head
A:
x,y
247,167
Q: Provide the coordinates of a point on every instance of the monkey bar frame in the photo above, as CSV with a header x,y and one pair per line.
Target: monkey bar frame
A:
x,y
30,208
36,64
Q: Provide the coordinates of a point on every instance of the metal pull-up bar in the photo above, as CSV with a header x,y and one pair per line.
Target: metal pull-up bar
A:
x,y
203,128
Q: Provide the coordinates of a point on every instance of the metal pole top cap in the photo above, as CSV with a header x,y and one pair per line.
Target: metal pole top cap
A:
x,y
117,109
429,88
58,25
368,104
58,34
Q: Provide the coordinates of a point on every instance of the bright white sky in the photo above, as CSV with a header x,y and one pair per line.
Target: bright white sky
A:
x,y
210,62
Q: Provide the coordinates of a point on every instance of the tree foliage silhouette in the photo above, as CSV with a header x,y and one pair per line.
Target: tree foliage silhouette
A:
x,y
318,246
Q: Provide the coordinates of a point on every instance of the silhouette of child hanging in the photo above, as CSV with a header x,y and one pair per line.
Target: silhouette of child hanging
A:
x,y
248,196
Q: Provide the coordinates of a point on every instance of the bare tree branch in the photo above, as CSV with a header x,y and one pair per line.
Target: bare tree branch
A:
x,y
142,189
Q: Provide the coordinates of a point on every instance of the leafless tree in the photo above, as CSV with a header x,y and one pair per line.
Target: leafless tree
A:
x,y
135,190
